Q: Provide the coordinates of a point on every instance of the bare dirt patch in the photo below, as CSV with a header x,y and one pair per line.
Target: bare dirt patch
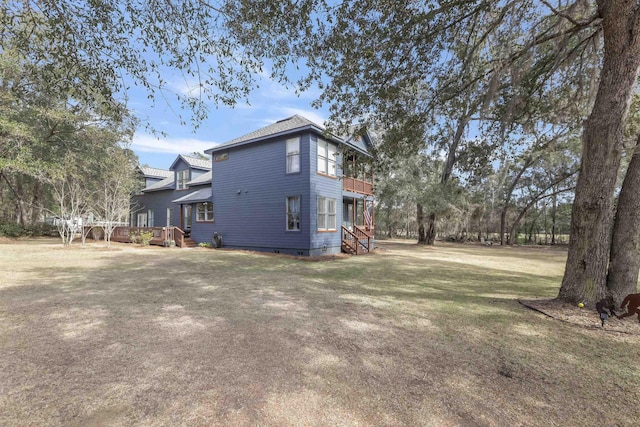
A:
x,y
586,317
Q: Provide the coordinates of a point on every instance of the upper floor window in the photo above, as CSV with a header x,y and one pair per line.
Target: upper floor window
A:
x,y
327,158
183,178
293,155
293,213
204,212
221,157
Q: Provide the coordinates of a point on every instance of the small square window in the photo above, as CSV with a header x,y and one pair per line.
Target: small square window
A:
x,y
221,157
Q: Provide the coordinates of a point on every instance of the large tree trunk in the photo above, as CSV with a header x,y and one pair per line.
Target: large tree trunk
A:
x,y
431,229
554,219
422,234
503,225
624,264
592,215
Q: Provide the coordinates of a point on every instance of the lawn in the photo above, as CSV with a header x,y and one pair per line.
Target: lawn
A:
x,y
407,336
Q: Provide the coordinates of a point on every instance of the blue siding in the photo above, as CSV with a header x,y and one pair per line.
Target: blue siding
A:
x,y
196,173
324,242
180,165
249,197
201,231
158,201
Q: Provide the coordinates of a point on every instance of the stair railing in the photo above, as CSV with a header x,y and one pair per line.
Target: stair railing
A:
x,y
357,241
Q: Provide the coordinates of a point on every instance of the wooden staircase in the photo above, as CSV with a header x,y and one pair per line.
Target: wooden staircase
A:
x,y
356,242
189,243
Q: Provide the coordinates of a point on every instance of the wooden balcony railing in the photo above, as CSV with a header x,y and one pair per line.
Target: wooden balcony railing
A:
x,y
357,186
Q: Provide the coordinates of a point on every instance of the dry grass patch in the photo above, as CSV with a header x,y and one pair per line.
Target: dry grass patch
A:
x,y
408,336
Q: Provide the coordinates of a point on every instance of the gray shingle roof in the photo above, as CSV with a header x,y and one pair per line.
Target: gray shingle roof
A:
x,y
205,178
202,195
197,163
193,162
281,127
166,183
287,126
150,172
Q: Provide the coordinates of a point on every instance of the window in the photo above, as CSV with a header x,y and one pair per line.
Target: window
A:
x,y
327,158
221,157
293,213
204,211
169,217
293,155
326,213
186,217
142,220
183,178
150,221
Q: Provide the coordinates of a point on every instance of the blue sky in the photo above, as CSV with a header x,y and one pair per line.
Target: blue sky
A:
x,y
269,103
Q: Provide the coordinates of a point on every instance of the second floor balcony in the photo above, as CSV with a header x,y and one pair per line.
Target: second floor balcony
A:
x,y
356,185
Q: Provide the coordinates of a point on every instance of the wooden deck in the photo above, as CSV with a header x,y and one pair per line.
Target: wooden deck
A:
x,y
162,236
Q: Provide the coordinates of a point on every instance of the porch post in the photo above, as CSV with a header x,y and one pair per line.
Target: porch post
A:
x,y
355,212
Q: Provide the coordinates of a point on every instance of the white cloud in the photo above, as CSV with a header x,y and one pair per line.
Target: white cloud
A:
x,y
311,114
151,144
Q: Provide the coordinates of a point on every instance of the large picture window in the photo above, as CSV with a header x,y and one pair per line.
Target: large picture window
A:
x,y
293,155
182,179
327,158
293,213
326,214
204,212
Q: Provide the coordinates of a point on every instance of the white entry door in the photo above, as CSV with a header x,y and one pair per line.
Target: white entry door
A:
x,y
142,220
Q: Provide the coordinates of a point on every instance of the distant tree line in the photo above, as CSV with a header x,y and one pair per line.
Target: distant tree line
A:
x,y
61,159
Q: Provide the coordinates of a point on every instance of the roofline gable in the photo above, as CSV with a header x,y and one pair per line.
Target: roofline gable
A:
x,y
191,165
307,126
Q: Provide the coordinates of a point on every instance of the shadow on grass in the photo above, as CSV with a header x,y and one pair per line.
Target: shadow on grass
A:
x,y
197,337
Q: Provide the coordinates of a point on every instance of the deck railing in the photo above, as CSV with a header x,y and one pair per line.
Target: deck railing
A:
x,y
357,186
162,236
356,241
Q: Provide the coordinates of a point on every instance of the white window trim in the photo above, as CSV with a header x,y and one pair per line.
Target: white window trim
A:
x,y
298,213
324,161
182,177
169,217
330,218
293,154
141,220
207,213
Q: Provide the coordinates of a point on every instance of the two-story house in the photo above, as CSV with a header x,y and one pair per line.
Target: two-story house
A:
x,y
286,188
283,189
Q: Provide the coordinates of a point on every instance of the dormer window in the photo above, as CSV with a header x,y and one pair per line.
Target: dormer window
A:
x,y
182,179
